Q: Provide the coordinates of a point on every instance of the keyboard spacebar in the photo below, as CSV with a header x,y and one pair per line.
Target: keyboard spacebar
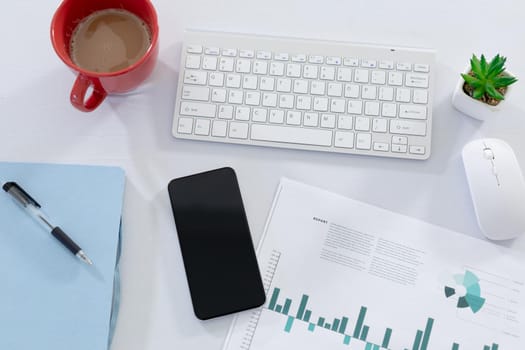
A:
x,y
286,134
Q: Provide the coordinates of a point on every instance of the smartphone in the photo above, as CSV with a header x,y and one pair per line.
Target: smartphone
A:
x,y
216,244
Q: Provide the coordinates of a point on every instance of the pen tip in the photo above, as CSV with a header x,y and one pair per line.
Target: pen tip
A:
x,y
84,258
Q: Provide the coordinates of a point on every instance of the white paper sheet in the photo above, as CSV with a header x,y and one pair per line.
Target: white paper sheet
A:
x,y
342,274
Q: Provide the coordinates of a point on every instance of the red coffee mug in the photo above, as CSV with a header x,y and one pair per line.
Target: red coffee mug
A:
x,y
68,15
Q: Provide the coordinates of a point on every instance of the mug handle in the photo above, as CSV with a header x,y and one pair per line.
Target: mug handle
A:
x,y
79,90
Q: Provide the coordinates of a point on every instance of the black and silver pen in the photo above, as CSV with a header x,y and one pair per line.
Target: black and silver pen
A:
x,y
33,208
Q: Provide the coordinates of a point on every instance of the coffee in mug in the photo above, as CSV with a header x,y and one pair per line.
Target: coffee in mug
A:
x,y
109,40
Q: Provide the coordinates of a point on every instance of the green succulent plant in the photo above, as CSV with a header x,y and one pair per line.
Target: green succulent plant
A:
x,y
488,80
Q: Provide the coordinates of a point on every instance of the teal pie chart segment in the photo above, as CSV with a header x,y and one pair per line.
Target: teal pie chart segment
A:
x,y
472,299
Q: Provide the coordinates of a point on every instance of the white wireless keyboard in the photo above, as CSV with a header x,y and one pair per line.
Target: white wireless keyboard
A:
x,y
305,94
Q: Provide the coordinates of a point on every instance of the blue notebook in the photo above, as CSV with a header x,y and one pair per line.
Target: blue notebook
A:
x,y
49,299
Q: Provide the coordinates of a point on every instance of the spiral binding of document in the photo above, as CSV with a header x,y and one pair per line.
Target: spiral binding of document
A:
x,y
305,94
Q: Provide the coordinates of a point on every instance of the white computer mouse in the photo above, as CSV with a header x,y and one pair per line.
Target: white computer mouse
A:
x,y
497,187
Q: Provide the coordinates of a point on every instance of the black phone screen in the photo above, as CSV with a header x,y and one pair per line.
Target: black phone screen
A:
x,y
216,244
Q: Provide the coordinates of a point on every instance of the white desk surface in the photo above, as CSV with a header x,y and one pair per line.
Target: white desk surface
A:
x,y
134,132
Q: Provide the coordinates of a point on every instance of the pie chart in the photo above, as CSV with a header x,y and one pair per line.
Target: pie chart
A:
x,y
468,282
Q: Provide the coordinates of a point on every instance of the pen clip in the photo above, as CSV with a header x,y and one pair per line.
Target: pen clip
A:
x,y
19,193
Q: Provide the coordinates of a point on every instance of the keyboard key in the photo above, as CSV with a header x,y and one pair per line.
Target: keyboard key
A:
x,y
371,108
351,61
299,58
194,49
259,115
242,113
369,63
235,96
355,107
408,127
269,100
238,130
246,53
344,74
379,125
311,119
395,78
195,77
381,146
226,64
304,136
413,111
216,79
304,102
264,55
369,92
317,88
352,90
424,68
417,149
260,67
378,77
209,63
293,118
344,139
202,127
293,70
344,122
185,125
316,59
243,66
249,82
276,68
402,95
328,121
219,128
276,116
327,73
218,95
226,112
286,101
389,110
281,57
386,93
400,140
321,104
416,80
399,148
420,96
253,98
233,80
212,51
386,64
267,84
198,109
333,60
403,66
284,85
363,141
335,89
310,71
300,86
193,61
196,93
362,124
337,105
229,52
361,76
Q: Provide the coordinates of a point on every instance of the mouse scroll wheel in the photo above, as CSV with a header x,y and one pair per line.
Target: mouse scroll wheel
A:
x,y
488,154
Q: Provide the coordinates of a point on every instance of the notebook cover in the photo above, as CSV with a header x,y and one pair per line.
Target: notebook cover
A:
x,y
49,299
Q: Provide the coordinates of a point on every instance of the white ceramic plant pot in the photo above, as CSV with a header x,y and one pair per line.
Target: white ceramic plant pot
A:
x,y
475,108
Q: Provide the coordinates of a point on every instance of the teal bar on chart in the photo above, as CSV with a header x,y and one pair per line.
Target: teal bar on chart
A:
x,y
289,324
286,307
302,307
386,339
320,322
364,334
360,320
273,300
311,327
494,346
307,315
335,325
327,325
278,308
346,340
486,347
342,328
455,346
368,346
426,335
376,347
417,341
